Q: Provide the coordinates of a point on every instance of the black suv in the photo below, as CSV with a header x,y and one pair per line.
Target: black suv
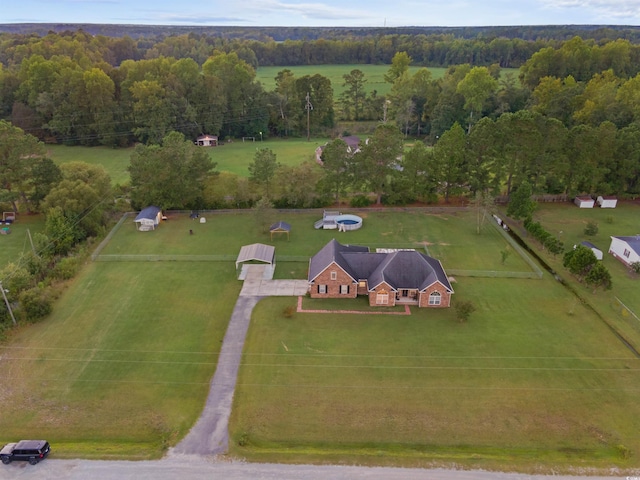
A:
x,y
32,450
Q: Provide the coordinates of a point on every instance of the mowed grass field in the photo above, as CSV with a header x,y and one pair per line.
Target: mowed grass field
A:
x,y
121,367
233,157
533,382
373,74
567,222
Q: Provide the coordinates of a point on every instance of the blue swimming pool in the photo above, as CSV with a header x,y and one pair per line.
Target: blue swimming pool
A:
x,y
348,222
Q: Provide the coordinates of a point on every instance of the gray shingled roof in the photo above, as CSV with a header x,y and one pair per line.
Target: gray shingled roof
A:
x,y
409,269
401,270
633,242
333,252
148,213
280,226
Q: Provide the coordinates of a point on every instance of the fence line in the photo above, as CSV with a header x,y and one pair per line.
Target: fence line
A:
x,y
109,236
491,273
187,258
520,251
627,309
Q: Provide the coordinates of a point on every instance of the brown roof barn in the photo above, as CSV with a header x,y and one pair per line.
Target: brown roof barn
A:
x,y
388,278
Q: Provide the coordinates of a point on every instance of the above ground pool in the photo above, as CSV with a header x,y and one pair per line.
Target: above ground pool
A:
x,y
348,222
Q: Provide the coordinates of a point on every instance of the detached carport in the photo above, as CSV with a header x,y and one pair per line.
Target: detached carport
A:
x,y
256,252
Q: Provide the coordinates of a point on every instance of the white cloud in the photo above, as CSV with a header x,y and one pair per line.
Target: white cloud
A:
x,y
604,8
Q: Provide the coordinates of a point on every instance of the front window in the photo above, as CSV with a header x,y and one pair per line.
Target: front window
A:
x,y
334,275
322,289
382,297
344,289
435,298
627,253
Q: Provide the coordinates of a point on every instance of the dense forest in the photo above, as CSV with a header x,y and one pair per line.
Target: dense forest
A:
x,y
568,124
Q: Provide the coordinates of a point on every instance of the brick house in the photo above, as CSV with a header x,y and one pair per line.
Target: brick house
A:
x,y
404,277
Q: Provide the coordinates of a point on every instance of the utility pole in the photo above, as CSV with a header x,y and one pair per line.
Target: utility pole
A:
x,y
4,295
308,107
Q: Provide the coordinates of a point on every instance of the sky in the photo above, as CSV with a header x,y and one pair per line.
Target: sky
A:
x,y
324,13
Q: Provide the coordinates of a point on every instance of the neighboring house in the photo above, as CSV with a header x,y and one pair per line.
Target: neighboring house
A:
x,y
596,251
626,249
389,278
207,141
148,219
353,147
584,202
607,202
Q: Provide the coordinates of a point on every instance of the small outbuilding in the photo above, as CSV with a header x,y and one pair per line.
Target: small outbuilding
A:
x,y
257,252
280,227
584,202
596,251
148,218
207,141
626,249
607,202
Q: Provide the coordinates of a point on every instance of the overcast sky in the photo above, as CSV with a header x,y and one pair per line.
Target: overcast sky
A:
x,y
353,13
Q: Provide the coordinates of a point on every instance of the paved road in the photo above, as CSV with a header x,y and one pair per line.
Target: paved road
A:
x,y
201,468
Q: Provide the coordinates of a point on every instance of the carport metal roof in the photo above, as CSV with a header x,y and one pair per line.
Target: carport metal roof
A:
x,y
258,252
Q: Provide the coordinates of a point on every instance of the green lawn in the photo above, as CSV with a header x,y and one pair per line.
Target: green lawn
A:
x,y
232,157
122,366
17,242
374,75
568,222
533,381
451,237
114,160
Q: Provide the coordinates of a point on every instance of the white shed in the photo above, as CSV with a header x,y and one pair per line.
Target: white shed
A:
x,y
207,141
584,202
148,218
596,251
626,249
607,202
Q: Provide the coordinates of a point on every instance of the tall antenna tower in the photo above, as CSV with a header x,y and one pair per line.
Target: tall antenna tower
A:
x,y
308,107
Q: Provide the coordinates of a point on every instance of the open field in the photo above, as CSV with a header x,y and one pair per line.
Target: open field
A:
x,y
114,160
532,381
121,368
374,74
568,222
232,157
124,361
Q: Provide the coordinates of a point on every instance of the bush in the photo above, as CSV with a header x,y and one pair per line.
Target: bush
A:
x,y
591,229
289,311
635,266
360,201
66,268
36,303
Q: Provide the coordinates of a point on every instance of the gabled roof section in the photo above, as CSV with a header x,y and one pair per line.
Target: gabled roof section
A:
x,y
633,242
256,251
148,213
333,252
280,227
410,270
